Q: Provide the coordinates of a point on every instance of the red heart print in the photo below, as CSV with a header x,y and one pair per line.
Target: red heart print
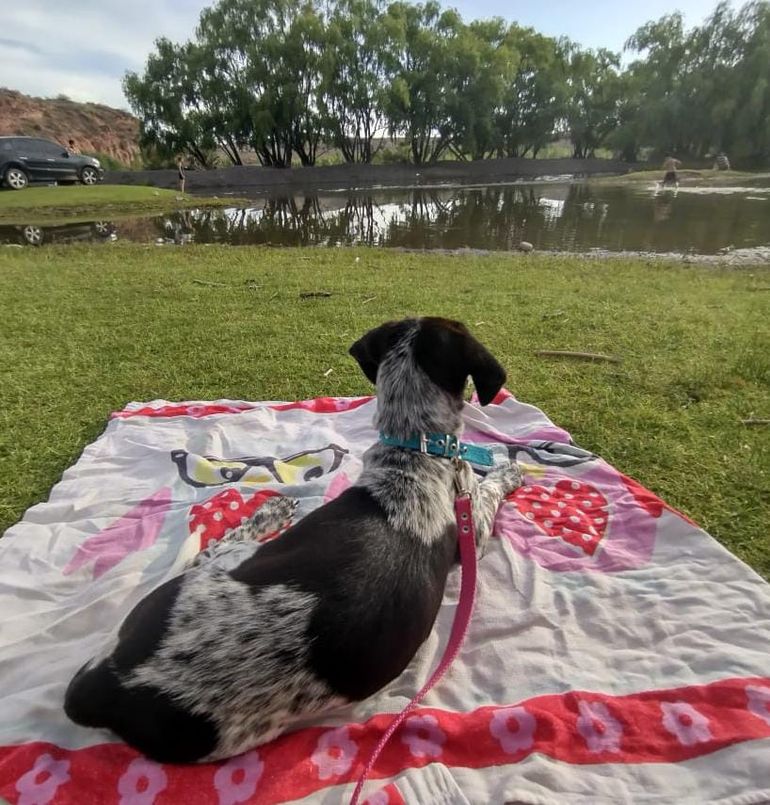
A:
x,y
212,519
572,511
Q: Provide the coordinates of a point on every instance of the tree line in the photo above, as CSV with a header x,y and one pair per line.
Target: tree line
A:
x,y
285,77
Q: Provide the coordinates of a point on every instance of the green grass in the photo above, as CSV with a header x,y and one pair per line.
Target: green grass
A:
x,y
86,329
36,204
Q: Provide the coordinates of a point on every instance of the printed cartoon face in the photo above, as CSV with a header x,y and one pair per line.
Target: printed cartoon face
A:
x,y
205,471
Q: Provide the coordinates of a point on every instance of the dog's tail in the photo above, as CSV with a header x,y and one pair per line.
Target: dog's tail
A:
x,y
91,695
142,716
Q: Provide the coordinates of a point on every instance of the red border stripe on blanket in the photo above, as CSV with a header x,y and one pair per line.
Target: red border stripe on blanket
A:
x,y
318,405
577,727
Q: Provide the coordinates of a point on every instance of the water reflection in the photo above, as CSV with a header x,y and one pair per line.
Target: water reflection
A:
x,y
569,217
424,219
576,217
40,234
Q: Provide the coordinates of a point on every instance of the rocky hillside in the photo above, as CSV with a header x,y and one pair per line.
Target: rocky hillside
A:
x,y
95,128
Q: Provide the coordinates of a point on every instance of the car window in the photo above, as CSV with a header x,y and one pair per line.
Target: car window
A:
x,y
26,146
48,148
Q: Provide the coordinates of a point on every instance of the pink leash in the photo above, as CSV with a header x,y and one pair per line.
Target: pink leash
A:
x,y
466,535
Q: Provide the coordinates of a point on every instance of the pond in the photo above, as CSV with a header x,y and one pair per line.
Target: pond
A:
x,y
576,217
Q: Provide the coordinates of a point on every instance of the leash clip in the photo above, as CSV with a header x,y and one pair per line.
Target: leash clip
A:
x,y
458,480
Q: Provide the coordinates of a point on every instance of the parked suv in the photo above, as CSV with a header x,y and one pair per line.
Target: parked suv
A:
x,y
28,159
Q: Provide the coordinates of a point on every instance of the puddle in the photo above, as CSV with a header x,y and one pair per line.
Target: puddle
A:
x,y
576,217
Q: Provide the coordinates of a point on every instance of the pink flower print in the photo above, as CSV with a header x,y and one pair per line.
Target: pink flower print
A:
x,y
389,795
600,729
377,798
423,736
38,786
514,728
685,723
334,754
141,782
759,702
236,781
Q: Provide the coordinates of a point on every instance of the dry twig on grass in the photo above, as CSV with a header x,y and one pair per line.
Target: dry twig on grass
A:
x,y
212,284
581,356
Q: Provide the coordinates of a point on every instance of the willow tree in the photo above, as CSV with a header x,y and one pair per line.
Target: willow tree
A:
x,y
269,52
351,97
594,89
534,98
160,97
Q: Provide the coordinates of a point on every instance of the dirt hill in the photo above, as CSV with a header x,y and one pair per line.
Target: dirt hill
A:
x,y
95,128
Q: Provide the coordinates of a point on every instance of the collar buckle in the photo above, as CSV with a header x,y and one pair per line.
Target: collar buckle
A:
x,y
451,446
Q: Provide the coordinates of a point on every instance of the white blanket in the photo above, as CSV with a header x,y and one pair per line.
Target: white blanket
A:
x,y
617,652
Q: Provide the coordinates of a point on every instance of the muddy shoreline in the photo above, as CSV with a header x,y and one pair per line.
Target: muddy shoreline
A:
x,y
255,179
758,257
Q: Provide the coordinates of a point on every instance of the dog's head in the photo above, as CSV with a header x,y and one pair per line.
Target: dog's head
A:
x,y
443,349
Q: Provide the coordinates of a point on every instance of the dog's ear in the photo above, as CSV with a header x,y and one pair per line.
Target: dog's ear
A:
x,y
372,347
448,353
488,375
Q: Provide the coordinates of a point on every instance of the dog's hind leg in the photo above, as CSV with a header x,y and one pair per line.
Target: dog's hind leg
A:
x,y
487,496
273,516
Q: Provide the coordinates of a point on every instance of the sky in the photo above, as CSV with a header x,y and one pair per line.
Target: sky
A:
x,y
82,48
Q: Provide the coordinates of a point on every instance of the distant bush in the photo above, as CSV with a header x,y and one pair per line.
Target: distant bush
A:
x,y
395,153
108,162
331,157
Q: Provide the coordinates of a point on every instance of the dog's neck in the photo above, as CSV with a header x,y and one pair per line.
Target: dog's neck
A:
x,y
408,401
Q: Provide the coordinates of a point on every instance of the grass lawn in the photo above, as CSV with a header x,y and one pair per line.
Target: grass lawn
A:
x,y
86,329
37,204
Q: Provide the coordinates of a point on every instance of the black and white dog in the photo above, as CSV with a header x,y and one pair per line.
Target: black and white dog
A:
x,y
216,661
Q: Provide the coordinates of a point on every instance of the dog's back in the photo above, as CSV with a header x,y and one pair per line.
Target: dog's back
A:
x,y
377,590
213,661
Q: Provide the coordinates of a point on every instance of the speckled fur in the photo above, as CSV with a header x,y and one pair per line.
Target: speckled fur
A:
x,y
220,661
240,655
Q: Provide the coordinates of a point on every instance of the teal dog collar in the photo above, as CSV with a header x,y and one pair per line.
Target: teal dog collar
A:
x,y
446,445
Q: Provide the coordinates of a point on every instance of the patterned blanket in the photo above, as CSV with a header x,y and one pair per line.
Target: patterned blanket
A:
x,y
617,653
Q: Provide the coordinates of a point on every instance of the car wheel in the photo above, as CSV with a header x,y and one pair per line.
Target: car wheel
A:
x,y
16,178
33,235
89,176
